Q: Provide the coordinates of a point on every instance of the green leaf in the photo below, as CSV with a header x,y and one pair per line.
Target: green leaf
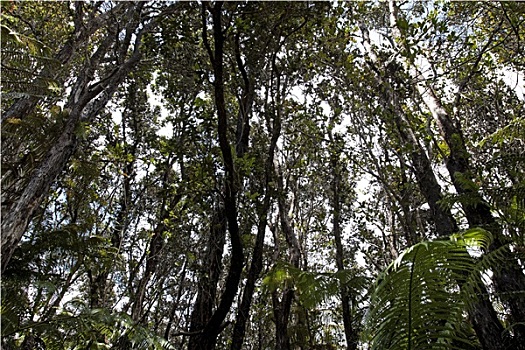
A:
x,y
416,302
402,24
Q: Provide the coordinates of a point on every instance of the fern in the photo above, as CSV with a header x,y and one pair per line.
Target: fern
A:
x,y
68,331
313,287
416,302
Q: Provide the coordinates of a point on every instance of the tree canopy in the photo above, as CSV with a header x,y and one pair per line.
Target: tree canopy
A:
x,y
262,175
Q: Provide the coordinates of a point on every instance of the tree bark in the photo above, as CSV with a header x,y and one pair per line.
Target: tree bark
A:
x,y
85,101
256,263
351,334
16,220
422,167
173,311
282,301
156,244
509,280
83,30
208,337
209,278
483,316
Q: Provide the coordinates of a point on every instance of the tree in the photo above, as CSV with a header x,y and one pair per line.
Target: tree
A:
x,y
84,102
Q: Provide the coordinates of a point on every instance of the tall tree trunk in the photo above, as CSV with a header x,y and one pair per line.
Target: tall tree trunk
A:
x,y
483,316
269,173
282,301
351,334
209,277
256,263
15,222
422,167
173,311
85,101
509,280
208,337
98,282
156,244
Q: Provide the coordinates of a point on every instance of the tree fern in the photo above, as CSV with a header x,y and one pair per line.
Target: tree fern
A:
x,y
417,303
313,288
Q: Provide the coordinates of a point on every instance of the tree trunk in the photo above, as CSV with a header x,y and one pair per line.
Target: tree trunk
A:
x,y
351,334
509,280
98,283
282,306
483,316
208,337
269,173
84,103
422,167
173,311
16,220
281,314
83,30
209,278
156,244
256,263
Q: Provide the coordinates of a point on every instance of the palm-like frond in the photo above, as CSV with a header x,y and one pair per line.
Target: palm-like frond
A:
x,y
94,328
421,300
313,288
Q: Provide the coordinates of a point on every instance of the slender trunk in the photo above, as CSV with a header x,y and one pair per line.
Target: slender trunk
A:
x,y
69,281
422,167
84,103
208,337
209,278
98,283
351,334
256,263
242,133
281,314
509,279
243,128
176,302
152,260
156,244
443,220
282,301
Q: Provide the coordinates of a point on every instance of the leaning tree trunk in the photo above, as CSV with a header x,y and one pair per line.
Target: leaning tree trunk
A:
x,y
422,167
83,30
509,279
85,101
483,316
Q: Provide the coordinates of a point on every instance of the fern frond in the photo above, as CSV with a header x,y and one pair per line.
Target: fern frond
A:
x,y
313,287
514,130
417,302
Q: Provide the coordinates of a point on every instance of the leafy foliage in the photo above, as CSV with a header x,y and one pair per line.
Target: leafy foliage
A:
x,y
352,135
91,328
313,287
420,300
